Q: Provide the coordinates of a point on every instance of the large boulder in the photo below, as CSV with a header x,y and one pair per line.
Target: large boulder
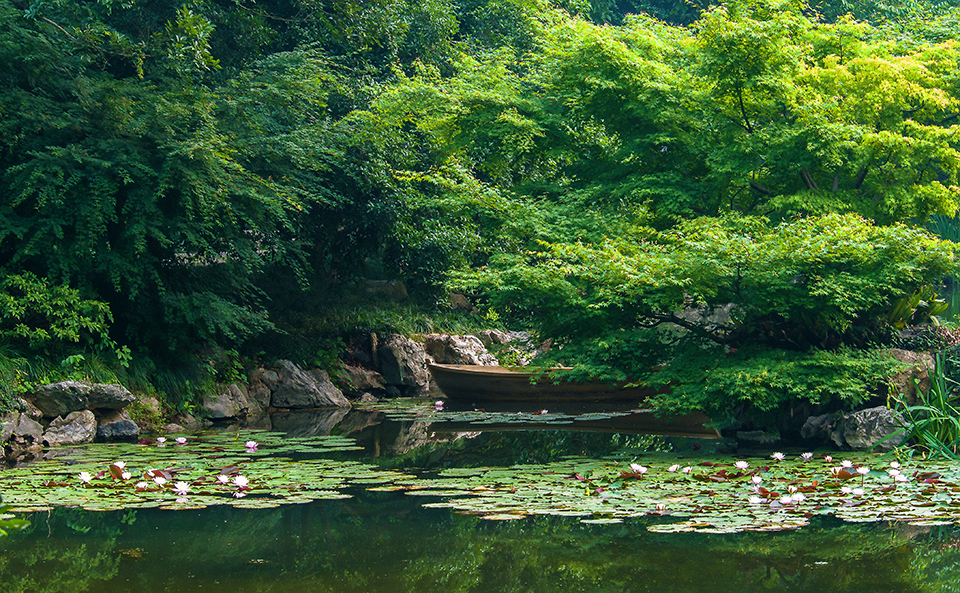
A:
x,y
865,429
403,363
76,428
116,425
60,399
300,389
453,349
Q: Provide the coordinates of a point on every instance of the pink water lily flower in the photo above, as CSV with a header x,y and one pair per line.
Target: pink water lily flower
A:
x,y
673,468
251,445
438,404
181,440
687,469
161,440
638,469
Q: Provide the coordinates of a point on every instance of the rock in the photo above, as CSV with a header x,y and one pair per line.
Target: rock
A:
x,y
152,404
8,424
172,428
453,349
368,398
60,399
904,383
458,300
259,398
77,428
864,429
116,425
495,336
403,363
300,389
757,438
358,380
107,396
307,423
270,378
28,428
218,406
29,409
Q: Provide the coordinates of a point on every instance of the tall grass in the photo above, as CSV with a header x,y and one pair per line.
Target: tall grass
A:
x,y
933,423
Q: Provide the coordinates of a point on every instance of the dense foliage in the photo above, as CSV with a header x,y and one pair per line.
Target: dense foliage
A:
x,y
180,175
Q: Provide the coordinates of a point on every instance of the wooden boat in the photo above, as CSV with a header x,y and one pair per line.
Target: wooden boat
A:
x,y
492,383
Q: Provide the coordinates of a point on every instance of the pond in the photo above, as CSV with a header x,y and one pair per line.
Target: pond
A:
x,y
407,497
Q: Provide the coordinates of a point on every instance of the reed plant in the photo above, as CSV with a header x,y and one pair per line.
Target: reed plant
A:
x,y
932,424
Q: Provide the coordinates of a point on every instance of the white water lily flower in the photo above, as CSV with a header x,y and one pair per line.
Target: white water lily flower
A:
x,y
893,473
863,470
159,480
673,468
687,469
241,481
741,465
661,507
85,477
846,463
778,456
637,468
120,464
181,488
141,485
806,456
756,479
786,500
858,491
126,475
755,500
223,479
901,478
239,494
828,458
894,464
846,489
798,497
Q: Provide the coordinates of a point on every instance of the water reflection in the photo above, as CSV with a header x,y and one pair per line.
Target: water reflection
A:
x,y
382,542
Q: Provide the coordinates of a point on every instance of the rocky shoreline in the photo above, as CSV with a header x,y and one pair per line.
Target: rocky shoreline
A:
x,y
274,397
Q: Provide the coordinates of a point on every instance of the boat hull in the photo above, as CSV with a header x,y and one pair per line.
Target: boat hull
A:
x,y
489,383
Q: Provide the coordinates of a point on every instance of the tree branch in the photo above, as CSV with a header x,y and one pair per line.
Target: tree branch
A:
x,y
808,178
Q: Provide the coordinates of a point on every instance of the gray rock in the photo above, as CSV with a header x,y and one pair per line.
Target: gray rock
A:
x,y
172,428
218,406
29,409
77,428
403,363
357,380
28,428
270,378
259,399
368,398
60,399
8,424
453,349
116,425
107,396
864,429
300,389
822,429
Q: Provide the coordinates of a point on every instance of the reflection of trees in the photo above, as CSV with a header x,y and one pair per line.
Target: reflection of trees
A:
x,y
70,551
387,542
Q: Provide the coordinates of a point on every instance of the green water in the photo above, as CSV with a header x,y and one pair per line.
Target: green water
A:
x,y
388,541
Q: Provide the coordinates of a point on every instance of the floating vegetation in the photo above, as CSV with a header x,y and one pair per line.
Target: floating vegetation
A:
x,y
723,496
190,473
713,495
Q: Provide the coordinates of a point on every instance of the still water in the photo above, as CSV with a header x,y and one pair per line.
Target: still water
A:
x,y
387,541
